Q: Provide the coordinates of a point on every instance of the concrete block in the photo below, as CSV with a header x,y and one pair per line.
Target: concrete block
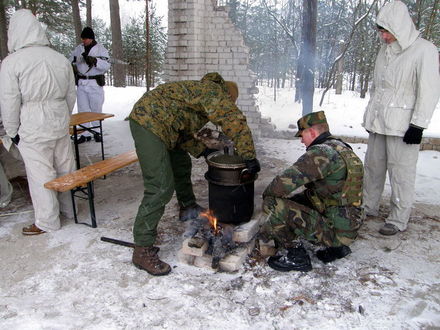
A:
x,y
267,249
198,252
203,261
235,260
185,258
245,232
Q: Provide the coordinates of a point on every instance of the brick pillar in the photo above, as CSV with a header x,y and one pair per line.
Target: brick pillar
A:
x,y
202,39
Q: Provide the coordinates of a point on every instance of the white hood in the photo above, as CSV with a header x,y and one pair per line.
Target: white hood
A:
x,y
25,30
395,18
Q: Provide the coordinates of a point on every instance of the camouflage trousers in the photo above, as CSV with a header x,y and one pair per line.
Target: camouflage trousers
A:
x,y
294,218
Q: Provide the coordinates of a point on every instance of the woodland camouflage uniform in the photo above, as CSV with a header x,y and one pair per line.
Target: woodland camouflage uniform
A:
x,y
175,111
163,123
328,211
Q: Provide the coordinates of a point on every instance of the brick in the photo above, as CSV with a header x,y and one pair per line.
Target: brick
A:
x,y
267,249
198,252
245,232
236,259
185,258
203,261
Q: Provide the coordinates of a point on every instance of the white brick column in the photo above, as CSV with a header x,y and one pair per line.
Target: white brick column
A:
x,y
202,39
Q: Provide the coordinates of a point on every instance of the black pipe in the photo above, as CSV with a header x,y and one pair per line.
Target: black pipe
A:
x,y
117,241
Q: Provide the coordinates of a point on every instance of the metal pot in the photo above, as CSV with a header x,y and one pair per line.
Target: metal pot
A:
x,y
231,188
228,170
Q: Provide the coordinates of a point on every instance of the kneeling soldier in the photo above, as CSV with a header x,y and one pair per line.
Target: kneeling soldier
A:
x,y
327,212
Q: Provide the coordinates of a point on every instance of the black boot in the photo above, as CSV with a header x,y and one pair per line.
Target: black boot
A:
x,y
332,253
190,212
296,259
97,137
83,139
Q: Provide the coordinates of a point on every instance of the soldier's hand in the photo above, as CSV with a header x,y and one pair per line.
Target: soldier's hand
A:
x,y
16,139
253,165
413,135
90,60
205,153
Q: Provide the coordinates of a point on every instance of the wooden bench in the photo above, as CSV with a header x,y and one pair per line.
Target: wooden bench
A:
x,y
81,181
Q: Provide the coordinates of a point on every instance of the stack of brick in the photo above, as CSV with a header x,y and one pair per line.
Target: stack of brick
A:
x,y
243,234
201,39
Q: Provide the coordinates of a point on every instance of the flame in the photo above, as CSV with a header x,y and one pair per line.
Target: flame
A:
x,y
209,214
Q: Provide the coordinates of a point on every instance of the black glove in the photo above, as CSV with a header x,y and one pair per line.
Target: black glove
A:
x,y
253,165
16,139
90,60
413,135
207,152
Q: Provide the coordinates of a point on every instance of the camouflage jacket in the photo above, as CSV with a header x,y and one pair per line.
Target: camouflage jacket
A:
x,y
175,111
331,172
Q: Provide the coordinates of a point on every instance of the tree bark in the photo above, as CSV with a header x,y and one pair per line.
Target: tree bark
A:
x,y
118,69
147,47
89,13
76,20
339,72
3,32
308,52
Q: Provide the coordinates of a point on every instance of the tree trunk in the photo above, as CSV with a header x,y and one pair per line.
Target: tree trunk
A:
x,y
339,72
76,20
3,32
365,86
432,19
117,53
308,54
89,13
147,47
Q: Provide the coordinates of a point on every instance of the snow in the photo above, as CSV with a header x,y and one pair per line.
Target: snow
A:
x,y
69,279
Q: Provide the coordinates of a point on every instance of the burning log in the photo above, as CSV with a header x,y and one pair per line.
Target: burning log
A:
x,y
219,238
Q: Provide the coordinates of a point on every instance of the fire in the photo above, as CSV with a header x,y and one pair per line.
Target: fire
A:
x,y
209,214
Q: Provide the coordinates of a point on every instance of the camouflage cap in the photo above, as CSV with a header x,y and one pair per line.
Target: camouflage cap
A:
x,y
307,121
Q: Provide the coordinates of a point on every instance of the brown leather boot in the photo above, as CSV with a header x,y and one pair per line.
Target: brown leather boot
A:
x,y
146,258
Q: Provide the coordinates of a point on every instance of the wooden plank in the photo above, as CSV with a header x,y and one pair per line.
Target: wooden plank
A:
x,y
89,173
85,117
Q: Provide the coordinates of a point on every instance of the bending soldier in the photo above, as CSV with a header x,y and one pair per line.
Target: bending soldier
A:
x,y
163,124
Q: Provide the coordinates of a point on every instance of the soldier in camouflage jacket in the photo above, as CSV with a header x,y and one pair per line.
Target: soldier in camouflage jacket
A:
x,y
163,124
328,210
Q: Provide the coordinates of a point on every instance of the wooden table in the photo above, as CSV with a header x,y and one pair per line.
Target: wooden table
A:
x,y
78,119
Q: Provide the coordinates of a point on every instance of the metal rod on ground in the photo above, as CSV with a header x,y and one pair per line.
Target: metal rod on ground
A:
x,y
117,241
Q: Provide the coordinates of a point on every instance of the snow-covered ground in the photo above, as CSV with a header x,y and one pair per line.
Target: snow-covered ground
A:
x,y
71,280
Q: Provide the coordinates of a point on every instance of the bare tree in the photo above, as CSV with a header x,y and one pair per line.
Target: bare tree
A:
x,y
3,32
331,75
147,46
339,72
118,69
306,62
76,20
89,13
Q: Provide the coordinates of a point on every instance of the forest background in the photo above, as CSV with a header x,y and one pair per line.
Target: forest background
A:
x,y
341,34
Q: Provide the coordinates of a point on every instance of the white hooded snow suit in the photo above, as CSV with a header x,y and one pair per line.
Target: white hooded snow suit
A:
x,y
405,90
90,96
37,96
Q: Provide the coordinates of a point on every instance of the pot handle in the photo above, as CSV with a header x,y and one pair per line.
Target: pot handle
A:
x,y
243,172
